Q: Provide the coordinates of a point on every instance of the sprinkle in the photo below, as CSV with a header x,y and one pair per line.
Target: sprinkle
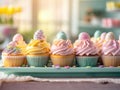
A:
x,y
53,65
74,66
45,66
57,66
88,66
23,65
101,66
32,66
67,67
111,66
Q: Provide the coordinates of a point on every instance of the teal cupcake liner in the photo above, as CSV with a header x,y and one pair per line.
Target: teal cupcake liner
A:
x,y
83,61
37,61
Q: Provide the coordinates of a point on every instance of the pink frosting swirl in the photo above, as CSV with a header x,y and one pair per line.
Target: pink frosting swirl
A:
x,y
62,47
12,44
84,47
12,49
111,47
39,35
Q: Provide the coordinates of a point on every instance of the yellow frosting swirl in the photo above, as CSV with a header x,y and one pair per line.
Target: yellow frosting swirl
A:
x,y
37,47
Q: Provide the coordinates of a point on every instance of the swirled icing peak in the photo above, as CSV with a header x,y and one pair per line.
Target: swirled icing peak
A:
x,y
12,44
62,47
12,49
37,47
84,36
39,35
111,47
84,46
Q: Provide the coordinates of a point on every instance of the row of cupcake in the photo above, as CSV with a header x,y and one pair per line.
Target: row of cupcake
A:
x,y
108,48
62,52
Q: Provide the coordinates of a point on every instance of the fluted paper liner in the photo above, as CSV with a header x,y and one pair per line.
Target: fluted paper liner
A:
x,y
83,61
111,61
37,61
13,61
62,60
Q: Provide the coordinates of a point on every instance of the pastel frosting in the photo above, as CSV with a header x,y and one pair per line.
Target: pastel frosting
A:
x,y
62,46
84,46
110,46
18,38
12,49
38,45
16,47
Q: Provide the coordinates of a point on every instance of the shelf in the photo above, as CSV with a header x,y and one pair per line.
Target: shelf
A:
x,y
76,72
96,27
114,11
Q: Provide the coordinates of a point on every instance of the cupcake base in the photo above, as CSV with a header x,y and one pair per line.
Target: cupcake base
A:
x,y
111,61
87,61
62,60
13,61
37,60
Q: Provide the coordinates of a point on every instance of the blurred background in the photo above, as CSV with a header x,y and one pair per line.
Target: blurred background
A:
x,y
52,16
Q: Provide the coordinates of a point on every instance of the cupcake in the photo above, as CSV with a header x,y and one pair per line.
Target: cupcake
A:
x,y
111,51
62,53
12,55
18,38
100,42
86,52
38,50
